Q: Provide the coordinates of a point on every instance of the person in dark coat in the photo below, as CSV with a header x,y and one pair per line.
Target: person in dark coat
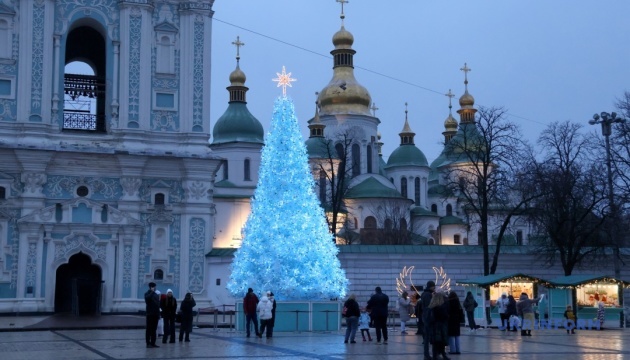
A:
x,y
378,305
152,301
352,318
418,313
186,308
511,311
169,310
425,299
469,305
455,318
250,301
438,324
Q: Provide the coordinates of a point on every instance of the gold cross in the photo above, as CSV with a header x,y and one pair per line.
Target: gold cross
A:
x,y
238,45
405,110
284,80
450,97
374,108
465,69
342,2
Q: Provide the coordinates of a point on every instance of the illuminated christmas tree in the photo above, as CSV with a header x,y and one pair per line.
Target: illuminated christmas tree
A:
x,y
287,247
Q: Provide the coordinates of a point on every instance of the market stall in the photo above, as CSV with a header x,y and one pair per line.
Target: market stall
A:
x,y
589,291
512,283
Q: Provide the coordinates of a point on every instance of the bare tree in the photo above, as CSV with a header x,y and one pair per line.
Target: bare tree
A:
x,y
394,225
485,155
571,212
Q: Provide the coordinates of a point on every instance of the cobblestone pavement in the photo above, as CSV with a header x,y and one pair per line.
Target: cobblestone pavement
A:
x,y
222,344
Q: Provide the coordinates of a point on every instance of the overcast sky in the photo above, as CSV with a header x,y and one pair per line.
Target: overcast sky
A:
x,y
542,60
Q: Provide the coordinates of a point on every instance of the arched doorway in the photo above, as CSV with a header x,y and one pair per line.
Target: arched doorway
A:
x,y
78,286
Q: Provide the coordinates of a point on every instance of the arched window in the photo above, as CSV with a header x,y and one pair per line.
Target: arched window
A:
x,y
370,222
417,191
369,158
164,56
159,199
5,39
403,187
84,81
457,239
389,224
342,156
519,237
391,179
356,223
158,274
403,224
449,210
246,170
3,193
225,170
434,208
431,242
322,187
356,160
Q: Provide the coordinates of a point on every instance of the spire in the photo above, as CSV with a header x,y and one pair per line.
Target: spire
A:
x,y
466,101
237,86
450,124
406,135
342,16
316,127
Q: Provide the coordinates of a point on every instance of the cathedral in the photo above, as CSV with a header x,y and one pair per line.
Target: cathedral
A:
x,y
116,176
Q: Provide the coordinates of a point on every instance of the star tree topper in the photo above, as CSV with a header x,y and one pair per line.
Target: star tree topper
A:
x,y
284,80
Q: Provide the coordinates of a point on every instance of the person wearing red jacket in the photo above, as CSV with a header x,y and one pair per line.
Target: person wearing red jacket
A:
x,y
250,301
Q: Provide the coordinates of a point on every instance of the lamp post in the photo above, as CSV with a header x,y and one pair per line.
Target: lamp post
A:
x,y
606,120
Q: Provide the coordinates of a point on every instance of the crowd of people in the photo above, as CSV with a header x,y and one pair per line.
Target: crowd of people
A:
x,y
438,315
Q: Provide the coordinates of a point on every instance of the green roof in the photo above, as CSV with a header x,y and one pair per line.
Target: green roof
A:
x,y
225,184
439,189
372,188
407,155
497,278
467,139
316,148
420,211
451,220
432,249
237,124
576,281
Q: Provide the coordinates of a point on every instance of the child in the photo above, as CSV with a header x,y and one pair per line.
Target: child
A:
x,y
569,315
364,324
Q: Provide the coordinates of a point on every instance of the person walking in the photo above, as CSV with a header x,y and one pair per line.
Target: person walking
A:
x,y
425,299
169,310
186,309
250,301
403,311
455,318
272,322
438,323
525,310
264,309
469,305
364,324
418,313
352,314
511,312
378,304
502,304
152,301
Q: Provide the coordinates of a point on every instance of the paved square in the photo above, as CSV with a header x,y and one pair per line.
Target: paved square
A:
x,y
210,344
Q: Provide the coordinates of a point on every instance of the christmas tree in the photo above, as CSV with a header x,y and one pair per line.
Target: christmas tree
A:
x,y
287,247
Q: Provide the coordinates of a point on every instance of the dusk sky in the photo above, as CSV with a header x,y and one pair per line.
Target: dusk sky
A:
x,y
542,60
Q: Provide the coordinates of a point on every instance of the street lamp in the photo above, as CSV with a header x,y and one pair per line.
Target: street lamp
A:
x,y
607,120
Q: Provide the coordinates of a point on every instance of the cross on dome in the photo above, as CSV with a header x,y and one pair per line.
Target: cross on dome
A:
x,y
342,2
284,80
450,96
374,108
466,69
238,45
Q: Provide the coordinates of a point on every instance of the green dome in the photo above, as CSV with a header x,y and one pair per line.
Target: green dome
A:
x,y
372,188
466,139
407,155
316,148
237,124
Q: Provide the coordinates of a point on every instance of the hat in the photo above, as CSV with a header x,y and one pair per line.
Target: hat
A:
x,y
152,284
169,291
268,293
430,284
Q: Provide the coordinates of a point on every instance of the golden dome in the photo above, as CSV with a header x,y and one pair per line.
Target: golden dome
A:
x,y
466,100
450,123
343,39
237,77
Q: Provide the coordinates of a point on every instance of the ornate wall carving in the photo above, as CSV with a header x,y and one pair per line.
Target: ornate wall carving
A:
x,y
196,254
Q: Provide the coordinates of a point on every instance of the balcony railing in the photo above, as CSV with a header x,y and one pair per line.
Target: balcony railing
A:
x,y
81,121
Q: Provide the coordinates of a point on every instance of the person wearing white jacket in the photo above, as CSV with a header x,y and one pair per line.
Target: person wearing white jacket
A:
x,y
264,308
502,304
